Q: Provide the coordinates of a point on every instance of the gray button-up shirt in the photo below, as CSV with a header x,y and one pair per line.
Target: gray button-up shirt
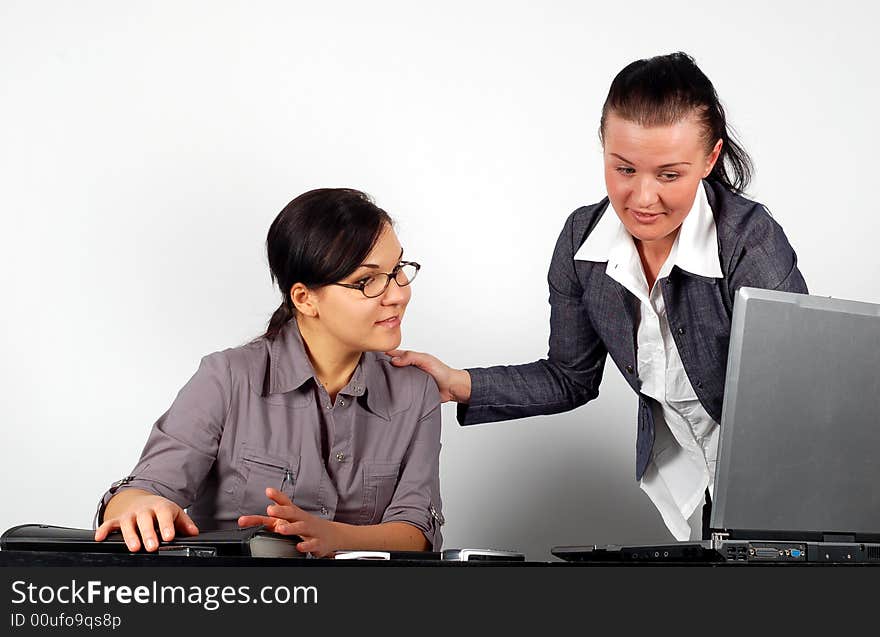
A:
x,y
255,416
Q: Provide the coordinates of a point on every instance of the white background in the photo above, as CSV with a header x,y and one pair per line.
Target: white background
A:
x,y
146,147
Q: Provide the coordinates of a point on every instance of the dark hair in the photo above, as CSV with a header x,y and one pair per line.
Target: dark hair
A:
x,y
665,89
320,237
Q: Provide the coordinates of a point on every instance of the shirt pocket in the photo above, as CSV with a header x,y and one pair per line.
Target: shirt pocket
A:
x,y
380,481
260,470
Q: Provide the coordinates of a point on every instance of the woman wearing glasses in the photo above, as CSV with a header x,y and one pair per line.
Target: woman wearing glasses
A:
x,y
646,276
308,429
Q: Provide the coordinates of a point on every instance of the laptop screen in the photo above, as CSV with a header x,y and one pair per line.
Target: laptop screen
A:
x,y
800,425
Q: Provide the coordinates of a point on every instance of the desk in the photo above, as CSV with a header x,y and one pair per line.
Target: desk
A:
x,y
294,594
142,559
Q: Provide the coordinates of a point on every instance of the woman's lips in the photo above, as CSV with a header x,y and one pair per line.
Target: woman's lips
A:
x,y
645,217
394,321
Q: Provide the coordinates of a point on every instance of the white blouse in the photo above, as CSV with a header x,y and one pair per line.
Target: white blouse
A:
x,y
682,466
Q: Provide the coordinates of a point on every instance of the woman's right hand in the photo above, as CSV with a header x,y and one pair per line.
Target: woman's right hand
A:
x,y
136,513
454,384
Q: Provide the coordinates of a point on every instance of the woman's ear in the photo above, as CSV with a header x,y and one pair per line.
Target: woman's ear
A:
x,y
304,300
713,157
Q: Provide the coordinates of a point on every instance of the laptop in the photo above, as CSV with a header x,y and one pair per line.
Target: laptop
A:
x,y
797,472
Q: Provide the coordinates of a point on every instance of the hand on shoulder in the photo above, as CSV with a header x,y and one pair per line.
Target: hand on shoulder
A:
x,y
454,384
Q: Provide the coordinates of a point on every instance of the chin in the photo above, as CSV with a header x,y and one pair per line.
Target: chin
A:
x,y
384,344
645,235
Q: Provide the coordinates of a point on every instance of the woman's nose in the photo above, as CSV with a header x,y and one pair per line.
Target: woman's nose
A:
x,y
395,294
646,193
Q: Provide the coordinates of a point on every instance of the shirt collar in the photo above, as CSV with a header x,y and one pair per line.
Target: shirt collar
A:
x,y
290,369
696,245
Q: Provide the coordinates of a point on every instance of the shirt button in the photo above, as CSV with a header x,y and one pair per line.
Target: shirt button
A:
x,y
340,457
323,510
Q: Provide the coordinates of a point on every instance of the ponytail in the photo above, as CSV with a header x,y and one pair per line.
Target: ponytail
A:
x,y
279,319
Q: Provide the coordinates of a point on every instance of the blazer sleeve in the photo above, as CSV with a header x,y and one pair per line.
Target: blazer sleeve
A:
x,y
183,443
571,373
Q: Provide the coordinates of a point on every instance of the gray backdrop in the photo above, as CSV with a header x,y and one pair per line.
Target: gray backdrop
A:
x,y
146,147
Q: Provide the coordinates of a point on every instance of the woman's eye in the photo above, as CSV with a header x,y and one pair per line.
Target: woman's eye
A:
x,y
365,281
668,176
626,170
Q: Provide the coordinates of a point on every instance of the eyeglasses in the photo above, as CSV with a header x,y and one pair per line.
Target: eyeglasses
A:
x,y
376,284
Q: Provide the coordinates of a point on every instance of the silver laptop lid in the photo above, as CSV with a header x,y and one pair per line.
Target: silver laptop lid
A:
x,y
799,451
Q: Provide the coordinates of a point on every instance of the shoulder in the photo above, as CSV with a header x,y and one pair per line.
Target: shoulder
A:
x,y
240,365
743,224
407,387
753,247
581,222
577,228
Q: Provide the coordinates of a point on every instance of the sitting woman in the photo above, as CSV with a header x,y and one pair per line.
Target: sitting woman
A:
x,y
308,429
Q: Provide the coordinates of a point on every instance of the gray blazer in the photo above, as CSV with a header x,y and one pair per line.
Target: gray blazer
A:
x,y
592,316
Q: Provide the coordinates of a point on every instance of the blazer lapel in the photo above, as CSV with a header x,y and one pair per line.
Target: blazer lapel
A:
x,y
615,319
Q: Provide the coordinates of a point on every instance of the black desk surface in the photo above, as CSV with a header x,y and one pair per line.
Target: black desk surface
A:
x,y
86,559
358,593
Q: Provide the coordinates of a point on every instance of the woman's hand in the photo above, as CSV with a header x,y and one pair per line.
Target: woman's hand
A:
x,y
136,513
454,384
320,537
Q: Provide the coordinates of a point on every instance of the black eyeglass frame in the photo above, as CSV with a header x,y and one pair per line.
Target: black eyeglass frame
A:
x,y
388,277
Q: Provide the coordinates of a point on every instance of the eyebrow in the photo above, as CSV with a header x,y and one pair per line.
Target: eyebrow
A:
x,y
670,165
373,265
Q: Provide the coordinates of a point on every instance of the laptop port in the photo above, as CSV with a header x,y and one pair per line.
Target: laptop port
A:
x,y
765,552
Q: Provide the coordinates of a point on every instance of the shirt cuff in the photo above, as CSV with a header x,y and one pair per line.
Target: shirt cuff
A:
x,y
469,413
132,482
429,524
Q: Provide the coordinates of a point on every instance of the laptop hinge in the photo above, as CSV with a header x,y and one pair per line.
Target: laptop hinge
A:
x,y
718,537
838,537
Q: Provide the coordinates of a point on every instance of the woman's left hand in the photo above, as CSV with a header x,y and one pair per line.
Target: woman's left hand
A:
x,y
320,536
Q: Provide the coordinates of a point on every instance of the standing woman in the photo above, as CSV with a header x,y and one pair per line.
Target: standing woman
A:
x,y
307,429
647,277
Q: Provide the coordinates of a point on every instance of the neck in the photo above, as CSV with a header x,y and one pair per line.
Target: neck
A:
x,y
653,255
334,364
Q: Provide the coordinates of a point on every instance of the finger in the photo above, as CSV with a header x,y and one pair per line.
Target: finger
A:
x,y
186,524
129,533
423,361
299,528
286,529
278,496
147,526
257,520
308,546
284,513
165,520
103,531
401,357
289,512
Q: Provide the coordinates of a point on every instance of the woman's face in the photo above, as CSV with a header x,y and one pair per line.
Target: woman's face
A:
x,y
652,175
358,323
